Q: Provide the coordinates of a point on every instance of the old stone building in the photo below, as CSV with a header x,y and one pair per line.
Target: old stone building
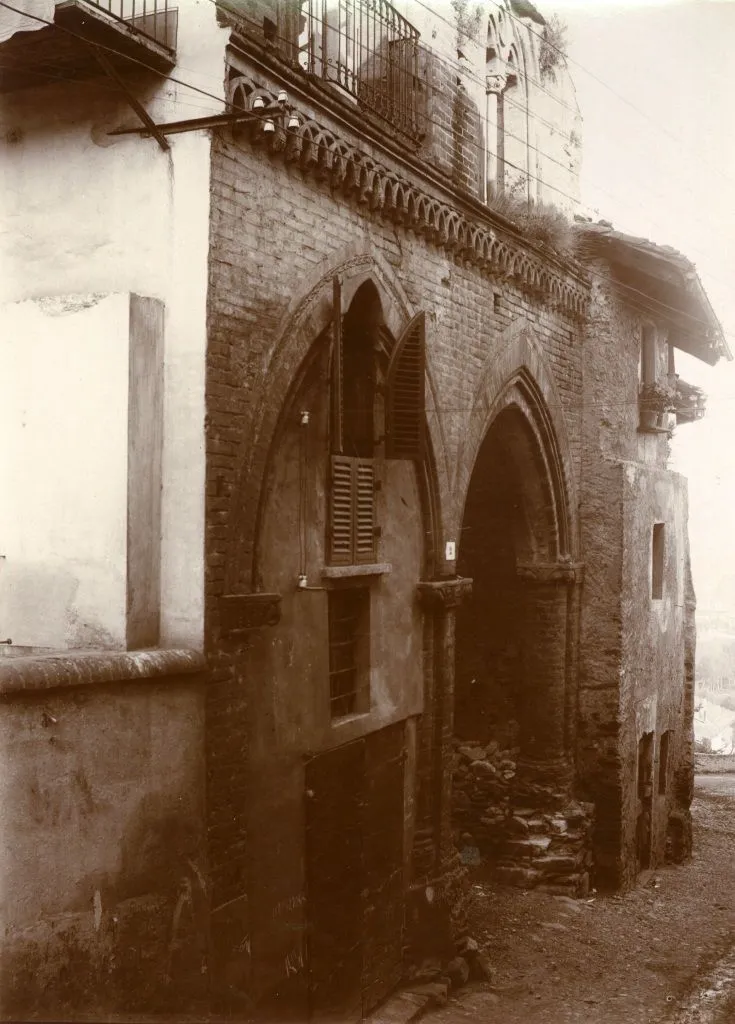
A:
x,y
349,555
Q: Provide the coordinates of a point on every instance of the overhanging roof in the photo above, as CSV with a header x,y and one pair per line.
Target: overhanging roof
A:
x,y
524,9
662,282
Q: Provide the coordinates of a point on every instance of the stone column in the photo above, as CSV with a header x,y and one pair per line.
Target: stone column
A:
x,y
494,138
441,598
436,897
549,670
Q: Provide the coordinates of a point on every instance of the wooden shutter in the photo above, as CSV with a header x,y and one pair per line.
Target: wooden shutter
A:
x,y
405,408
336,374
364,522
341,516
352,538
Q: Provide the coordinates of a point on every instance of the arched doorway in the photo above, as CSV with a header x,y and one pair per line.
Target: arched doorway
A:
x,y
512,803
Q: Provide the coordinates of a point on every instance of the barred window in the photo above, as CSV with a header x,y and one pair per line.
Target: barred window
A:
x,y
349,650
368,49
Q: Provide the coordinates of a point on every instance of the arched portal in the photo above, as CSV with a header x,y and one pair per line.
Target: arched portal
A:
x,y
514,656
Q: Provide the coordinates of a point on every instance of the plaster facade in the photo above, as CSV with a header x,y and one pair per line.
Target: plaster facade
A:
x,y
104,877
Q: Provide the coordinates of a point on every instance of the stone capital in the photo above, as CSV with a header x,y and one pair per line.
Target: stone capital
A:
x,y
448,593
495,83
550,572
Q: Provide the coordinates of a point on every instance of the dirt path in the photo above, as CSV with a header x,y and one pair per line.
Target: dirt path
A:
x,y
631,959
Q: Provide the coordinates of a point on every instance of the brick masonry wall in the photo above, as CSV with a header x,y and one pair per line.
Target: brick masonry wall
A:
x,y
277,236
632,656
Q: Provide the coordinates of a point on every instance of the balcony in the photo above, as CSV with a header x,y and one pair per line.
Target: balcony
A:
x,y
667,402
130,33
690,402
368,50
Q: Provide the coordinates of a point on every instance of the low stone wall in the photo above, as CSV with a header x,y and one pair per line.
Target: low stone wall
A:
x,y
549,848
714,764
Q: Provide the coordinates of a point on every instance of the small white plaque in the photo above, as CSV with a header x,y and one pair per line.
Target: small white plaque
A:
x,y
451,551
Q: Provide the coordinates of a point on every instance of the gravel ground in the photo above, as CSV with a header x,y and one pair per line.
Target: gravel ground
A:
x,y
629,959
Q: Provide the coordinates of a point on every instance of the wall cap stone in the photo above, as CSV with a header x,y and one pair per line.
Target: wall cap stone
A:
x,y
90,668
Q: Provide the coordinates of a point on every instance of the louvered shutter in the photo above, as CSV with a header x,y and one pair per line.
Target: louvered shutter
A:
x,y
352,539
405,411
364,522
341,516
336,374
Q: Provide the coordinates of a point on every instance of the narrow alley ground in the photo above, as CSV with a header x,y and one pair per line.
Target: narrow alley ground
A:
x,y
661,953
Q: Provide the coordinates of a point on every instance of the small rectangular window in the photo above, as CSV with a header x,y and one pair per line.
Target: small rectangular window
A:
x,y
349,651
658,549
663,762
649,356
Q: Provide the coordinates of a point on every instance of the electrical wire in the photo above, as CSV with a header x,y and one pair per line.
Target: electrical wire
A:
x,y
478,147
483,149
237,108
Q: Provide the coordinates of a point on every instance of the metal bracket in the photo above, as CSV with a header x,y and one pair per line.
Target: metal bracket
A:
x,y
194,124
104,62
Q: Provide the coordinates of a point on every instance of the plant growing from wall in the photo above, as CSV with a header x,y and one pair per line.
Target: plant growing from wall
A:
x,y
658,396
539,222
468,18
553,49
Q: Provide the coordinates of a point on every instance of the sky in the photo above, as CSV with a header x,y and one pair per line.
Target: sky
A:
x,y
656,85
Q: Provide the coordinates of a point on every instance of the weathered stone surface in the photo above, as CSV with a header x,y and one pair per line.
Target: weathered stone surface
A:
x,y
467,946
524,877
480,968
458,971
435,992
401,1008
429,970
528,847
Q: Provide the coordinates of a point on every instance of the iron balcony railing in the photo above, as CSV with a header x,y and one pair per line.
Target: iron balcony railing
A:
x,y
155,19
368,49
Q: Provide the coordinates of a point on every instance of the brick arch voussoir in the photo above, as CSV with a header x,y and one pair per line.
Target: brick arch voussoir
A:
x,y
520,370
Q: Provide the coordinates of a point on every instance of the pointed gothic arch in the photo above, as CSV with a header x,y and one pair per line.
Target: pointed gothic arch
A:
x,y
292,357
518,375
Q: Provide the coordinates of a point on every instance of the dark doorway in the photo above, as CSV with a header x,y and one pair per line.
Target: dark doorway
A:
x,y
511,637
334,902
488,680
644,835
354,874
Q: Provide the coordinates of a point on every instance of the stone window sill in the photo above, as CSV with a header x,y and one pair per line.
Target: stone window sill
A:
x,y
345,572
89,668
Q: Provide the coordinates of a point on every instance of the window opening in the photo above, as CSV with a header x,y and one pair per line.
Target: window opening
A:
x,y
648,356
657,561
360,329
370,50
349,646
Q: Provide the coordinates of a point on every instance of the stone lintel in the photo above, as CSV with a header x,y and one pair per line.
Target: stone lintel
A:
x,y
89,668
550,572
448,593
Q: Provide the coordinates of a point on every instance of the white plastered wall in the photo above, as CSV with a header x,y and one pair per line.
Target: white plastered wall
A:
x,y
82,212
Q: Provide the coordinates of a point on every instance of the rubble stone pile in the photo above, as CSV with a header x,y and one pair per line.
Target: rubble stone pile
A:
x,y
548,848
481,797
